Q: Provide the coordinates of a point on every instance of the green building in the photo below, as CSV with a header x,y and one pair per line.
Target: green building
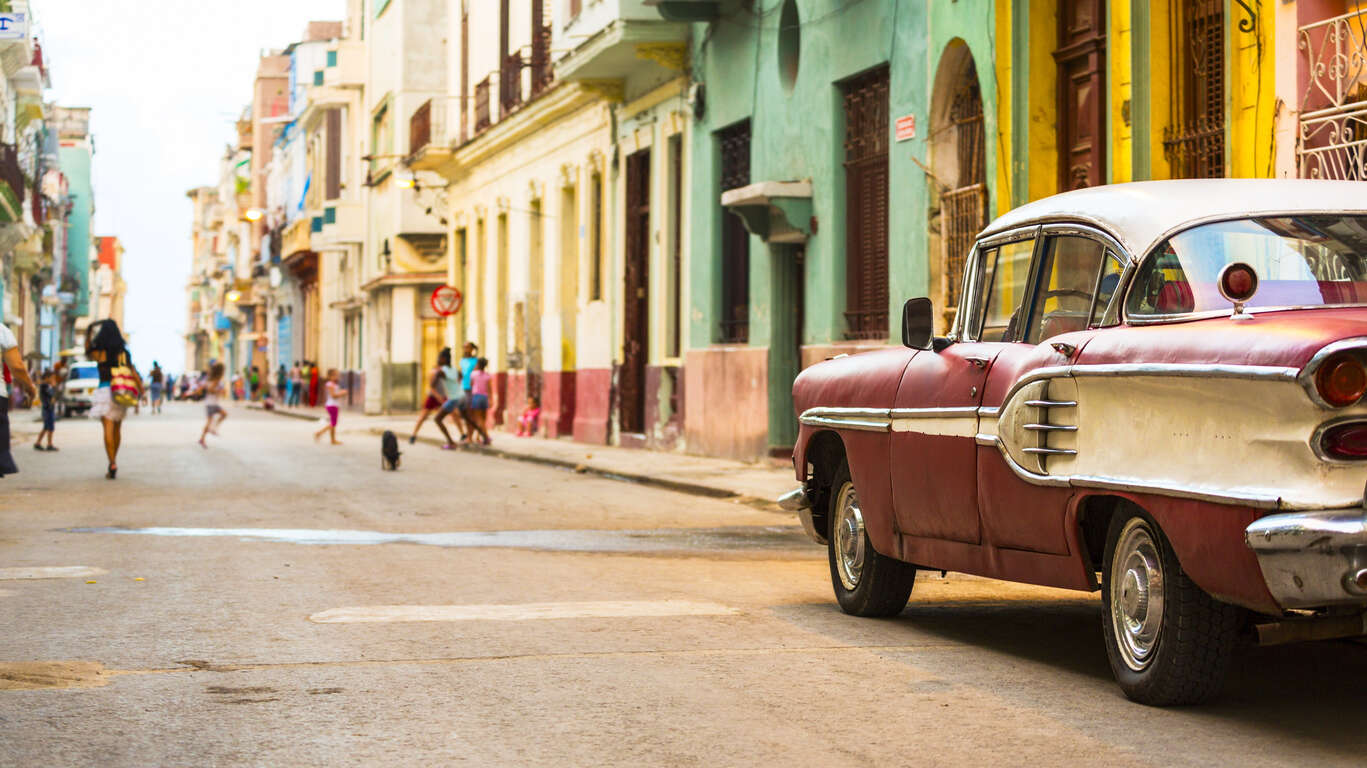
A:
x,y
843,158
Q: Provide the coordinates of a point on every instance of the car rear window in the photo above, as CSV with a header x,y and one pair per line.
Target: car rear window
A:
x,y
1301,261
91,371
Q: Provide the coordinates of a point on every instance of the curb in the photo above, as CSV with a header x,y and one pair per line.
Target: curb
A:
x,y
278,412
678,486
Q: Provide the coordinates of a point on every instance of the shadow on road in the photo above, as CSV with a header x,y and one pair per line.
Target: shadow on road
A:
x,y
1310,691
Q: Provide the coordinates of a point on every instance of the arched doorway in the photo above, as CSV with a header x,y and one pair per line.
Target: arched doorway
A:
x,y
958,164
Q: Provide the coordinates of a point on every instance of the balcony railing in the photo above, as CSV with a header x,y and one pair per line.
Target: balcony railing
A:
x,y
420,128
541,60
1332,141
482,117
13,177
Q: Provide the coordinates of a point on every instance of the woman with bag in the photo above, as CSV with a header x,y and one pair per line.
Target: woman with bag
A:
x,y
120,385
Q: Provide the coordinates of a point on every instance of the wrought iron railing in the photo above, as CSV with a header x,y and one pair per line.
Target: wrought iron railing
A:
x,y
542,75
10,171
510,84
1332,138
963,213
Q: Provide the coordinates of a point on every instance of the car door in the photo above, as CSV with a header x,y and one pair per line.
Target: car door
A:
x,y
935,414
1073,284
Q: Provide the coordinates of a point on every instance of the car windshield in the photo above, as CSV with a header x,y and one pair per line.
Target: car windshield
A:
x,y
1301,261
90,371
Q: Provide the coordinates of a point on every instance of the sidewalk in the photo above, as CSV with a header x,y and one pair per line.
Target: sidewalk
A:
x,y
757,485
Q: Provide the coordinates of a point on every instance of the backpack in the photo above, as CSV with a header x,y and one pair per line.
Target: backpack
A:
x,y
389,451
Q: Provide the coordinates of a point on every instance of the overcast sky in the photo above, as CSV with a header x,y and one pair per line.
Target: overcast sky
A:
x,y
166,79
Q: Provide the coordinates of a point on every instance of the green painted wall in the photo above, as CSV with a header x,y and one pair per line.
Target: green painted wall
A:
x,y
76,165
798,133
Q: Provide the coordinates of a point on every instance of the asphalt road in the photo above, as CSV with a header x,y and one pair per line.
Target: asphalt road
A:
x,y
474,610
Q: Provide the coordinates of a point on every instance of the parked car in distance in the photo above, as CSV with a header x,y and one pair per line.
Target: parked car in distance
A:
x,y
83,378
1154,390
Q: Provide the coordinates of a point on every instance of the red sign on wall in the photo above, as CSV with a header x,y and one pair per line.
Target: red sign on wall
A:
x,y
446,300
906,127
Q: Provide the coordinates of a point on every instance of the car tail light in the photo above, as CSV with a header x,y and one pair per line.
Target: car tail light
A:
x,y
1346,441
1341,380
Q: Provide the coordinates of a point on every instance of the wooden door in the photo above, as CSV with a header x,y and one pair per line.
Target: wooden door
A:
x,y
1081,59
635,298
866,205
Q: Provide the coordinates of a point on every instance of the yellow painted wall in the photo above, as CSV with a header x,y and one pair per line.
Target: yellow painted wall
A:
x,y
1252,80
1118,77
1043,99
1005,106
1160,85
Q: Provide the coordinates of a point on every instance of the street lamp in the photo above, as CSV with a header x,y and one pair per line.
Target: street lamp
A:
x,y
254,214
233,296
388,257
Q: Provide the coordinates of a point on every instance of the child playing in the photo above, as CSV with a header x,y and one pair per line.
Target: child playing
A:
x,y
212,388
47,392
332,406
527,422
478,408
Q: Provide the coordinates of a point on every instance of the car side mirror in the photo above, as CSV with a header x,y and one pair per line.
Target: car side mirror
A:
x,y
918,323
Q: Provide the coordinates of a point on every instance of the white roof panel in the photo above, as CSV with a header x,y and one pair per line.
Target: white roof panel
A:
x,y
1141,213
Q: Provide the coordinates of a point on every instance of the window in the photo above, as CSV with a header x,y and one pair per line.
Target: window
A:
x,y
317,77
1005,273
1069,275
1194,140
596,237
332,58
866,205
333,154
1106,309
734,146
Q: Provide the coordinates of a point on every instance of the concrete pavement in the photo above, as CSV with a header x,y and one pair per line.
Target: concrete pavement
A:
x,y
270,601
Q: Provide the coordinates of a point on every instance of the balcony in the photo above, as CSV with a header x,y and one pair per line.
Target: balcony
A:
x,y
634,40
1333,107
482,117
343,222
346,65
430,139
11,185
510,84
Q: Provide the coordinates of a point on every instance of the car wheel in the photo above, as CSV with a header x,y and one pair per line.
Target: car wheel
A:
x,y
866,583
1167,640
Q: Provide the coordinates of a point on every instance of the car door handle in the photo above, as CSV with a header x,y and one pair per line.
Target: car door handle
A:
x,y
978,362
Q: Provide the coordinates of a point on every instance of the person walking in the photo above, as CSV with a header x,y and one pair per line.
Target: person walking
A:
x,y
157,380
13,371
477,410
47,398
170,388
332,406
313,383
438,392
105,345
212,388
296,383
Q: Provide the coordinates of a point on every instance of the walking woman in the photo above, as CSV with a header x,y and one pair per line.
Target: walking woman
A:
x,y
437,394
105,345
154,391
13,369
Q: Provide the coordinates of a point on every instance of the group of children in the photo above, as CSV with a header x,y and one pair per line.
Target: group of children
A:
x,y
212,387
461,392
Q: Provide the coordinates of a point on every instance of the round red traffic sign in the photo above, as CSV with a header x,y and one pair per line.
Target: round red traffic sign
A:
x,y
446,300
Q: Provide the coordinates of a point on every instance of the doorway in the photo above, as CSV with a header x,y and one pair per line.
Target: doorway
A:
x,y
635,300
1081,58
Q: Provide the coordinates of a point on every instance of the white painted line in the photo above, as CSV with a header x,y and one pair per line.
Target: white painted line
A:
x,y
49,572
619,609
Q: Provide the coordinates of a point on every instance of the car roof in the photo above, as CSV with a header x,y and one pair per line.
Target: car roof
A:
x,y
1140,214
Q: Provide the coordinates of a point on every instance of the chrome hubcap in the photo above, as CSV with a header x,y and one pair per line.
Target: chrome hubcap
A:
x,y
1136,595
848,538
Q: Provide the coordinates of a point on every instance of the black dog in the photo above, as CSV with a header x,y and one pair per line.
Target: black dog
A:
x,y
389,451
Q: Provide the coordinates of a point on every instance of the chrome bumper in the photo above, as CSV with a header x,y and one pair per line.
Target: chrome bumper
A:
x,y
1313,559
796,501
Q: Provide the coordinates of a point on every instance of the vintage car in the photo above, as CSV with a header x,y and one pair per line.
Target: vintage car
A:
x,y
1154,390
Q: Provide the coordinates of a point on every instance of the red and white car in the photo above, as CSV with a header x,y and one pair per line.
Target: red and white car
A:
x,y
1150,389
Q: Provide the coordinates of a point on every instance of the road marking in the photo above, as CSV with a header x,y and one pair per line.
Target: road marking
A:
x,y
49,572
618,609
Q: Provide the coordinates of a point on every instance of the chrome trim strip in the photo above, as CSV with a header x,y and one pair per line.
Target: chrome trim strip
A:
x,y
1256,501
1052,403
933,413
855,424
1307,374
842,412
1051,427
982,439
1050,451
1202,370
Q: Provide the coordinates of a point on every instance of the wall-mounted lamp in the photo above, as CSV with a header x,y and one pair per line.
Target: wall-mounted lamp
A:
x,y
253,214
385,253
233,296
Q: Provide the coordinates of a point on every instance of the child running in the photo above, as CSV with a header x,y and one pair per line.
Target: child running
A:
x,y
477,409
212,388
332,406
47,393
